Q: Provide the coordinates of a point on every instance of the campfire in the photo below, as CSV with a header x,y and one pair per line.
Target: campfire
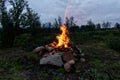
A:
x,y
63,39
60,53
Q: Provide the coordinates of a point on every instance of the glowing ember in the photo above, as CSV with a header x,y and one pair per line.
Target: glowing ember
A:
x,y
62,38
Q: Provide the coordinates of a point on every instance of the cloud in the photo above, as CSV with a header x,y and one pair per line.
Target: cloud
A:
x,y
48,9
82,10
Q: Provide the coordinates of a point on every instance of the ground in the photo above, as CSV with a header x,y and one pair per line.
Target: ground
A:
x,y
102,63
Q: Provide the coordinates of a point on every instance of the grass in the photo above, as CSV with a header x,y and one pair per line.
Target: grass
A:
x,y
102,62
97,63
116,66
7,51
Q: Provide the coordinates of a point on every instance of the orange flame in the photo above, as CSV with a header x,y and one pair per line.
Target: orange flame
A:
x,y
62,38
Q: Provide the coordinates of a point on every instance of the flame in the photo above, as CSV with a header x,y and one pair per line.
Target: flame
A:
x,y
62,38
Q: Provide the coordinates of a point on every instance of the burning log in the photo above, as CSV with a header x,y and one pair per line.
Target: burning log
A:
x,y
61,53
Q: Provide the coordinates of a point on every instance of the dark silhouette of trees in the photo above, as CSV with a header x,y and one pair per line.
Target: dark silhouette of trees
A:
x,y
19,16
98,26
58,22
70,22
32,21
106,25
90,26
117,25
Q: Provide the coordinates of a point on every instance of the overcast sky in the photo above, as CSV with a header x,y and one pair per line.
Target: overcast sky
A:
x,y
82,10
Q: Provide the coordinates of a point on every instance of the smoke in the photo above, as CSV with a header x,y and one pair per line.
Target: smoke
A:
x,y
66,12
72,9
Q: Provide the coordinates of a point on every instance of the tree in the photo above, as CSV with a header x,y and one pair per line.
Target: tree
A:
x,y
59,21
13,20
7,26
106,25
70,22
32,21
98,26
90,25
117,25
56,24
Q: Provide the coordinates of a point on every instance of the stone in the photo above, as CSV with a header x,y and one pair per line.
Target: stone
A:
x,y
52,59
82,59
75,48
67,67
82,54
45,54
71,62
67,56
38,49
51,53
74,54
49,48
59,53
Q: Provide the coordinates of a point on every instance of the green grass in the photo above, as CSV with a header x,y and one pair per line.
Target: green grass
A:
x,y
116,66
8,51
57,78
101,59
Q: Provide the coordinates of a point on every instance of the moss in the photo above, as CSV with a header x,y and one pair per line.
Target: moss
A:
x,y
16,68
4,63
8,51
12,77
57,78
95,74
116,76
97,63
44,75
62,70
116,66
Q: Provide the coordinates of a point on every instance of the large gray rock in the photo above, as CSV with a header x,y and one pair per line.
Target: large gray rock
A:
x,y
52,59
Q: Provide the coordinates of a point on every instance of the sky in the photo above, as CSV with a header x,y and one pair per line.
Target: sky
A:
x,y
82,10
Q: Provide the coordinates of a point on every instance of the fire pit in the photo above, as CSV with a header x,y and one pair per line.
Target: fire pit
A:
x,y
60,53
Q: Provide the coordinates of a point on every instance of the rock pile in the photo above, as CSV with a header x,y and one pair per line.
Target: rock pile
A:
x,y
60,56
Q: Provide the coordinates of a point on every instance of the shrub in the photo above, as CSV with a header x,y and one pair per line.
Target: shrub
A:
x,y
114,43
23,41
28,42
